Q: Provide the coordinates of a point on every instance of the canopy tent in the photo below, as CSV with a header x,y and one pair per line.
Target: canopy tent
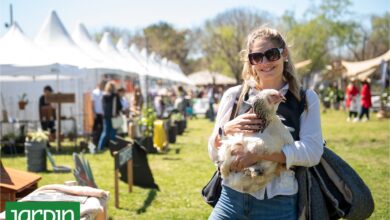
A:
x,y
107,46
129,57
17,49
175,72
206,77
83,40
353,69
57,43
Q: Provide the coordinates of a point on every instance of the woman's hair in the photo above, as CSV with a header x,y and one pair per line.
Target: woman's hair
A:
x,y
109,88
277,39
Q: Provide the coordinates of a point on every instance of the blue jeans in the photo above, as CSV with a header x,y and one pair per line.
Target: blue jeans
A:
x,y
236,205
108,134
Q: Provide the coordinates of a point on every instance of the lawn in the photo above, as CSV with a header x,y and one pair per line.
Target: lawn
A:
x,y
181,175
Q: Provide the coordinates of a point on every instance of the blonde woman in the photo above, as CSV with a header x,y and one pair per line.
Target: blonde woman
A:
x,y
267,65
109,97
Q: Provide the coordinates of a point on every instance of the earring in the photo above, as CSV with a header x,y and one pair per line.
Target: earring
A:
x,y
286,60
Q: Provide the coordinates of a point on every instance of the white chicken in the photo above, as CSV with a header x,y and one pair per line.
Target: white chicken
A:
x,y
267,141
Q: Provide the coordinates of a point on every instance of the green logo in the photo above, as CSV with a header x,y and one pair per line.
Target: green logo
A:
x,y
42,210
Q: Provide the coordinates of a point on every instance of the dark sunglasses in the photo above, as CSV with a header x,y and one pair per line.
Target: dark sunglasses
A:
x,y
272,54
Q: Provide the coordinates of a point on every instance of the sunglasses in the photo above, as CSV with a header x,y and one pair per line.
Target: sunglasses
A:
x,y
272,54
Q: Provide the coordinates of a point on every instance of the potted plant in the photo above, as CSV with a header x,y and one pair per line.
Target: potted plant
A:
x,y
146,123
23,101
35,148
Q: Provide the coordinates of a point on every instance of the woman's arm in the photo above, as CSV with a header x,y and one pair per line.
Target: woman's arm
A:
x,y
308,150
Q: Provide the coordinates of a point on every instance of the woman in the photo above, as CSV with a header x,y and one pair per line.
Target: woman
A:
x,y
365,100
351,101
111,108
267,65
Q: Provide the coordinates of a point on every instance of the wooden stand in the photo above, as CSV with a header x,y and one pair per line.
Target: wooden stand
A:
x,y
120,158
60,98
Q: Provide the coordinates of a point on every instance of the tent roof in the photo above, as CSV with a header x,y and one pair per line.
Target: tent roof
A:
x,y
354,68
17,49
82,38
56,41
107,46
205,77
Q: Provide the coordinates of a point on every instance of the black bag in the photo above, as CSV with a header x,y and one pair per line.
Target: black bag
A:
x,y
212,191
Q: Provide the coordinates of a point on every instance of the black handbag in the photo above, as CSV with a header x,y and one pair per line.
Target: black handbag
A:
x,y
212,191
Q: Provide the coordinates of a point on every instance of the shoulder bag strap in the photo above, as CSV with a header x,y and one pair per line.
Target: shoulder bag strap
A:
x,y
114,106
234,109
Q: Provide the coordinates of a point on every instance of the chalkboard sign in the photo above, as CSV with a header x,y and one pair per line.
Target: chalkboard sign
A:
x,y
123,155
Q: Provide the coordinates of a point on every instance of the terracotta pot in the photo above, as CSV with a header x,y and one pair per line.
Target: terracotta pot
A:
x,y
22,105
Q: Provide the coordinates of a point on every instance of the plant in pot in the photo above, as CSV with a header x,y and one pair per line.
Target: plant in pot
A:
x,y
146,123
35,148
23,101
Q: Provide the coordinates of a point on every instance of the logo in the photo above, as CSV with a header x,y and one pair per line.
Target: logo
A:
x,y
42,210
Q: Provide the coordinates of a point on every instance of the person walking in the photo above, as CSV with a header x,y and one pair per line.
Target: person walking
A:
x,y
267,65
352,100
97,110
365,100
111,107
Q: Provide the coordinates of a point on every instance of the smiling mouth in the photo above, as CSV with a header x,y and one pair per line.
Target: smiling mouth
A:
x,y
268,69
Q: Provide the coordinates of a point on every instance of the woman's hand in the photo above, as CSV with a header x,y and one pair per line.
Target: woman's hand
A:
x,y
245,123
243,159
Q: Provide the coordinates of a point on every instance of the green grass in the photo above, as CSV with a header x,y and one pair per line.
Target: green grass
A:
x,y
365,146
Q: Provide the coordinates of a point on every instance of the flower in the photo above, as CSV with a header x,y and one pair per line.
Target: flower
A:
x,y
37,136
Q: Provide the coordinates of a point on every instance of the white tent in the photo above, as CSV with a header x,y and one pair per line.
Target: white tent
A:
x,y
206,77
129,57
19,55
57,43
355,68
17,49
83,40
107,46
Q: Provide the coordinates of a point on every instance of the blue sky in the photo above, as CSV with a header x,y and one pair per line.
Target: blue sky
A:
x,y
132,15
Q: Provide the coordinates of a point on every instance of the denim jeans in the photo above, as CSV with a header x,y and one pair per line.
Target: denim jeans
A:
x,y
108,134
236,205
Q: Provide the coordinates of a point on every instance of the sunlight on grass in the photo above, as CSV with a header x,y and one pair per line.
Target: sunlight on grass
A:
x,y
181,176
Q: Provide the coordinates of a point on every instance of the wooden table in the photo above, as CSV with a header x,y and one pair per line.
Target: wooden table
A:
x,y
15,184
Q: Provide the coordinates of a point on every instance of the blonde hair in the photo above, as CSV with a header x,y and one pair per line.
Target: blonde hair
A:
x,y
277,39
109,88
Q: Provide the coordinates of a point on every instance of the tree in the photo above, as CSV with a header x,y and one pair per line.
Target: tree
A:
x,y
224,37
322,36
163,39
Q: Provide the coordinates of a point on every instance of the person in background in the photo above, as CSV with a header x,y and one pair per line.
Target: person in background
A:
x,y
97,110
111,107
124,101
211,98
47,112
267,65
137,101
351,100
365,100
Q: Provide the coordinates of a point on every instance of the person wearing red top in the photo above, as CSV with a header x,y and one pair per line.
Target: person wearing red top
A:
x,y
365,100
351,100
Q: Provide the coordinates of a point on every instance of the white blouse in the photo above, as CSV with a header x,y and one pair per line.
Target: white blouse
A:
x,y
305,152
